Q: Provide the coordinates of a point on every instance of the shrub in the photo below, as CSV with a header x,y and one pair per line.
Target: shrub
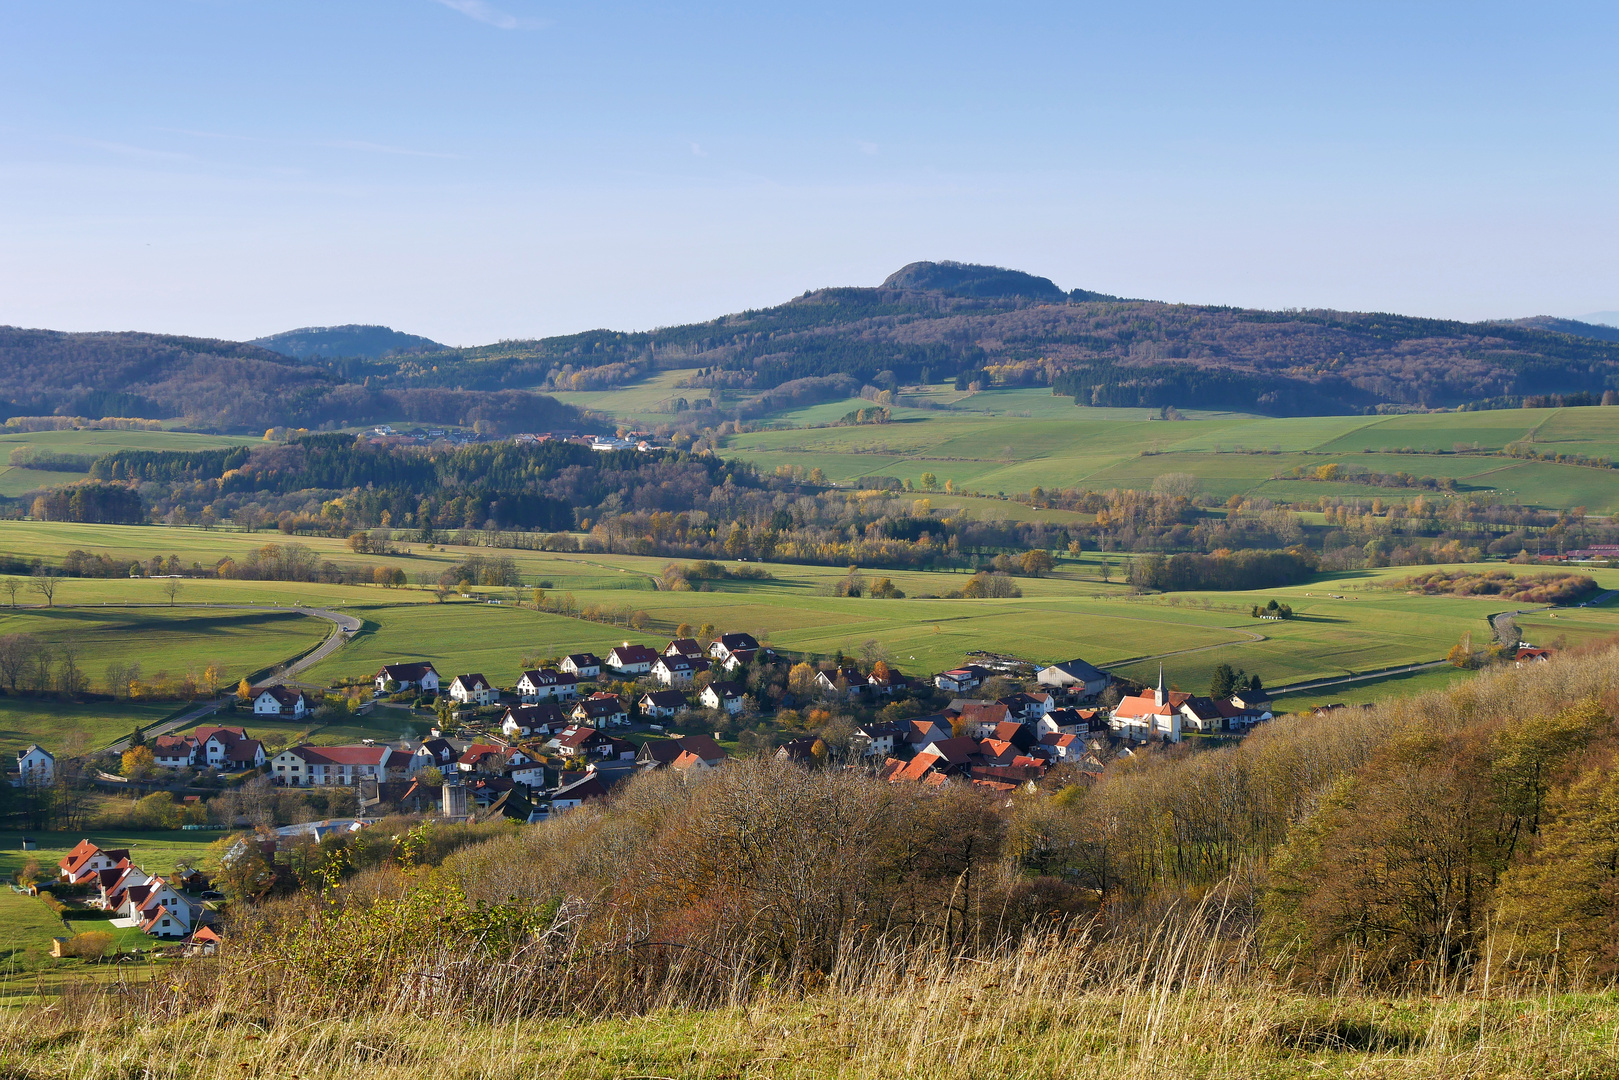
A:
x,y
90,945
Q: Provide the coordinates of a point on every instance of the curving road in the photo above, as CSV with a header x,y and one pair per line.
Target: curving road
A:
x,y
344,627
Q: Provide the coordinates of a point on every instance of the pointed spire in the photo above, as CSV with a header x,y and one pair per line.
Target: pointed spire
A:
x,y
1160,692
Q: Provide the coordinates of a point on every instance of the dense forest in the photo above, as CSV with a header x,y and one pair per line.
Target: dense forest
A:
x,y
227,385
927,322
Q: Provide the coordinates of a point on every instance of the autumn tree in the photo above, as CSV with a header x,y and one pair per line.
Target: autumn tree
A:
x,y
1035,563
137,761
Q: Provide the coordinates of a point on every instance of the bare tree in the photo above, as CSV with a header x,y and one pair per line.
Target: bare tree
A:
x,y
45,585
17,657
13,586
171,589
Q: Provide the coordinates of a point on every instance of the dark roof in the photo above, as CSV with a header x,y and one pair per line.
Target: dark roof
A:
x,y
726,689
585,659
533,716
406,672
594,706
634,654
735,642
472,680
287,697
548,677
683,646
666,699
589,786
1079,669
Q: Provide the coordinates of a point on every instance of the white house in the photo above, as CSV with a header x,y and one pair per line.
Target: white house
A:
x,y
282,701
86,860
547,685
722,647
662,704
574,795
960,679
601,710
627,659
473,689
36,767
677,670
331,766
433,753
585,665
408,677
723,695
523,721
879,739
684,646
227,748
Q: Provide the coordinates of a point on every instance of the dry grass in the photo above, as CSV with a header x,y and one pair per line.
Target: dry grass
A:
x,y
1184,1001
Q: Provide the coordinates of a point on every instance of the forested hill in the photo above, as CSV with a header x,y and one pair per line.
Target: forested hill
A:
x,y
227,385
351,340
927,321
978,323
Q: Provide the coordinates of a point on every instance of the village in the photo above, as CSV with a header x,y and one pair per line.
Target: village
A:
x,y
567,733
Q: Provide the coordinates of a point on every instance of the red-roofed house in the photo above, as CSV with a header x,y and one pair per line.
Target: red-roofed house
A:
x,y
330,766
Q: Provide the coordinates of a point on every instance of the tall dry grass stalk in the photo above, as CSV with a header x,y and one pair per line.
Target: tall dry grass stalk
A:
x,y
1189,998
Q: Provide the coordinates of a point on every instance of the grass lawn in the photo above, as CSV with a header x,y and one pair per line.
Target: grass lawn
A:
x,y
169,639
53,723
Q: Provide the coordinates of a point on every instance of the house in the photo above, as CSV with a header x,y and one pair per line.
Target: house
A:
x,y
522,721
580,740
585,665
159,909
684,646
1029,707
996,752
110,884
627,659
603,710
1530,655
806,750
226,748
1026,737
961,679
955,754
283,702
657,753
1076,676
924,731
723,695
174,751
530,774
36,767
978,719
473,689
879,739
408,677
86,860
1202,714
827,680
739,659
662,704
1072,722
434,754
725,645
1064,748
332,766
490,758
1255,700
577,793
885,680
1148,716
923,768
547,685
677,670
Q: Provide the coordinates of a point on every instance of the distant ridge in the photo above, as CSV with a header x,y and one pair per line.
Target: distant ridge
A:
x,y
1601,318
973,282
370,342
1578,327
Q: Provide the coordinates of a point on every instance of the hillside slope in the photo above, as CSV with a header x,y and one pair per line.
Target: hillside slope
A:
x,y
945,320
227,385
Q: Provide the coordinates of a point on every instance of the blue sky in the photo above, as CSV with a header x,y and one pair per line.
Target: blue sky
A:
x,y
475,170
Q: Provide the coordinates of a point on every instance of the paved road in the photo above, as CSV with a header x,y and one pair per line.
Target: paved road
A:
x,y
346,626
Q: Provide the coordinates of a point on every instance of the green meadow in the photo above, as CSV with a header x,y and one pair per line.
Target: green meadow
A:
x,y
1229,454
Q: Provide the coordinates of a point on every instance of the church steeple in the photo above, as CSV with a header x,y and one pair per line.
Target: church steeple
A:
x,y
1159,693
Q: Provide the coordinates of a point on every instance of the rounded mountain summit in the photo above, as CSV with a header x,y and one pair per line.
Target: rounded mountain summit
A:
x,y
976,282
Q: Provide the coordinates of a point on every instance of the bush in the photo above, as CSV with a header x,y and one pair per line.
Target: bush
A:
x,y
90,945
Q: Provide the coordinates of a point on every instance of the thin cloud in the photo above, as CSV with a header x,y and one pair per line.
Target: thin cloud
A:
x,y
126,149
493,16
381,148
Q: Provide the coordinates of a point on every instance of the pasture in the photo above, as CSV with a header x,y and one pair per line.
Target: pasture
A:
x,y
999,451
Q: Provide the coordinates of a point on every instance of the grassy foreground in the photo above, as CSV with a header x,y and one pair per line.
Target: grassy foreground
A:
x,y
1010,1019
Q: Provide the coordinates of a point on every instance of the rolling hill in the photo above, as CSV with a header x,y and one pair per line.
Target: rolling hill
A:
x,y
978,325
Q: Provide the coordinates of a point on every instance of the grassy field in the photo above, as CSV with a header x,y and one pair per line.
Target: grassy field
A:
x,y
999,451
53,724
174,640
1072,613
